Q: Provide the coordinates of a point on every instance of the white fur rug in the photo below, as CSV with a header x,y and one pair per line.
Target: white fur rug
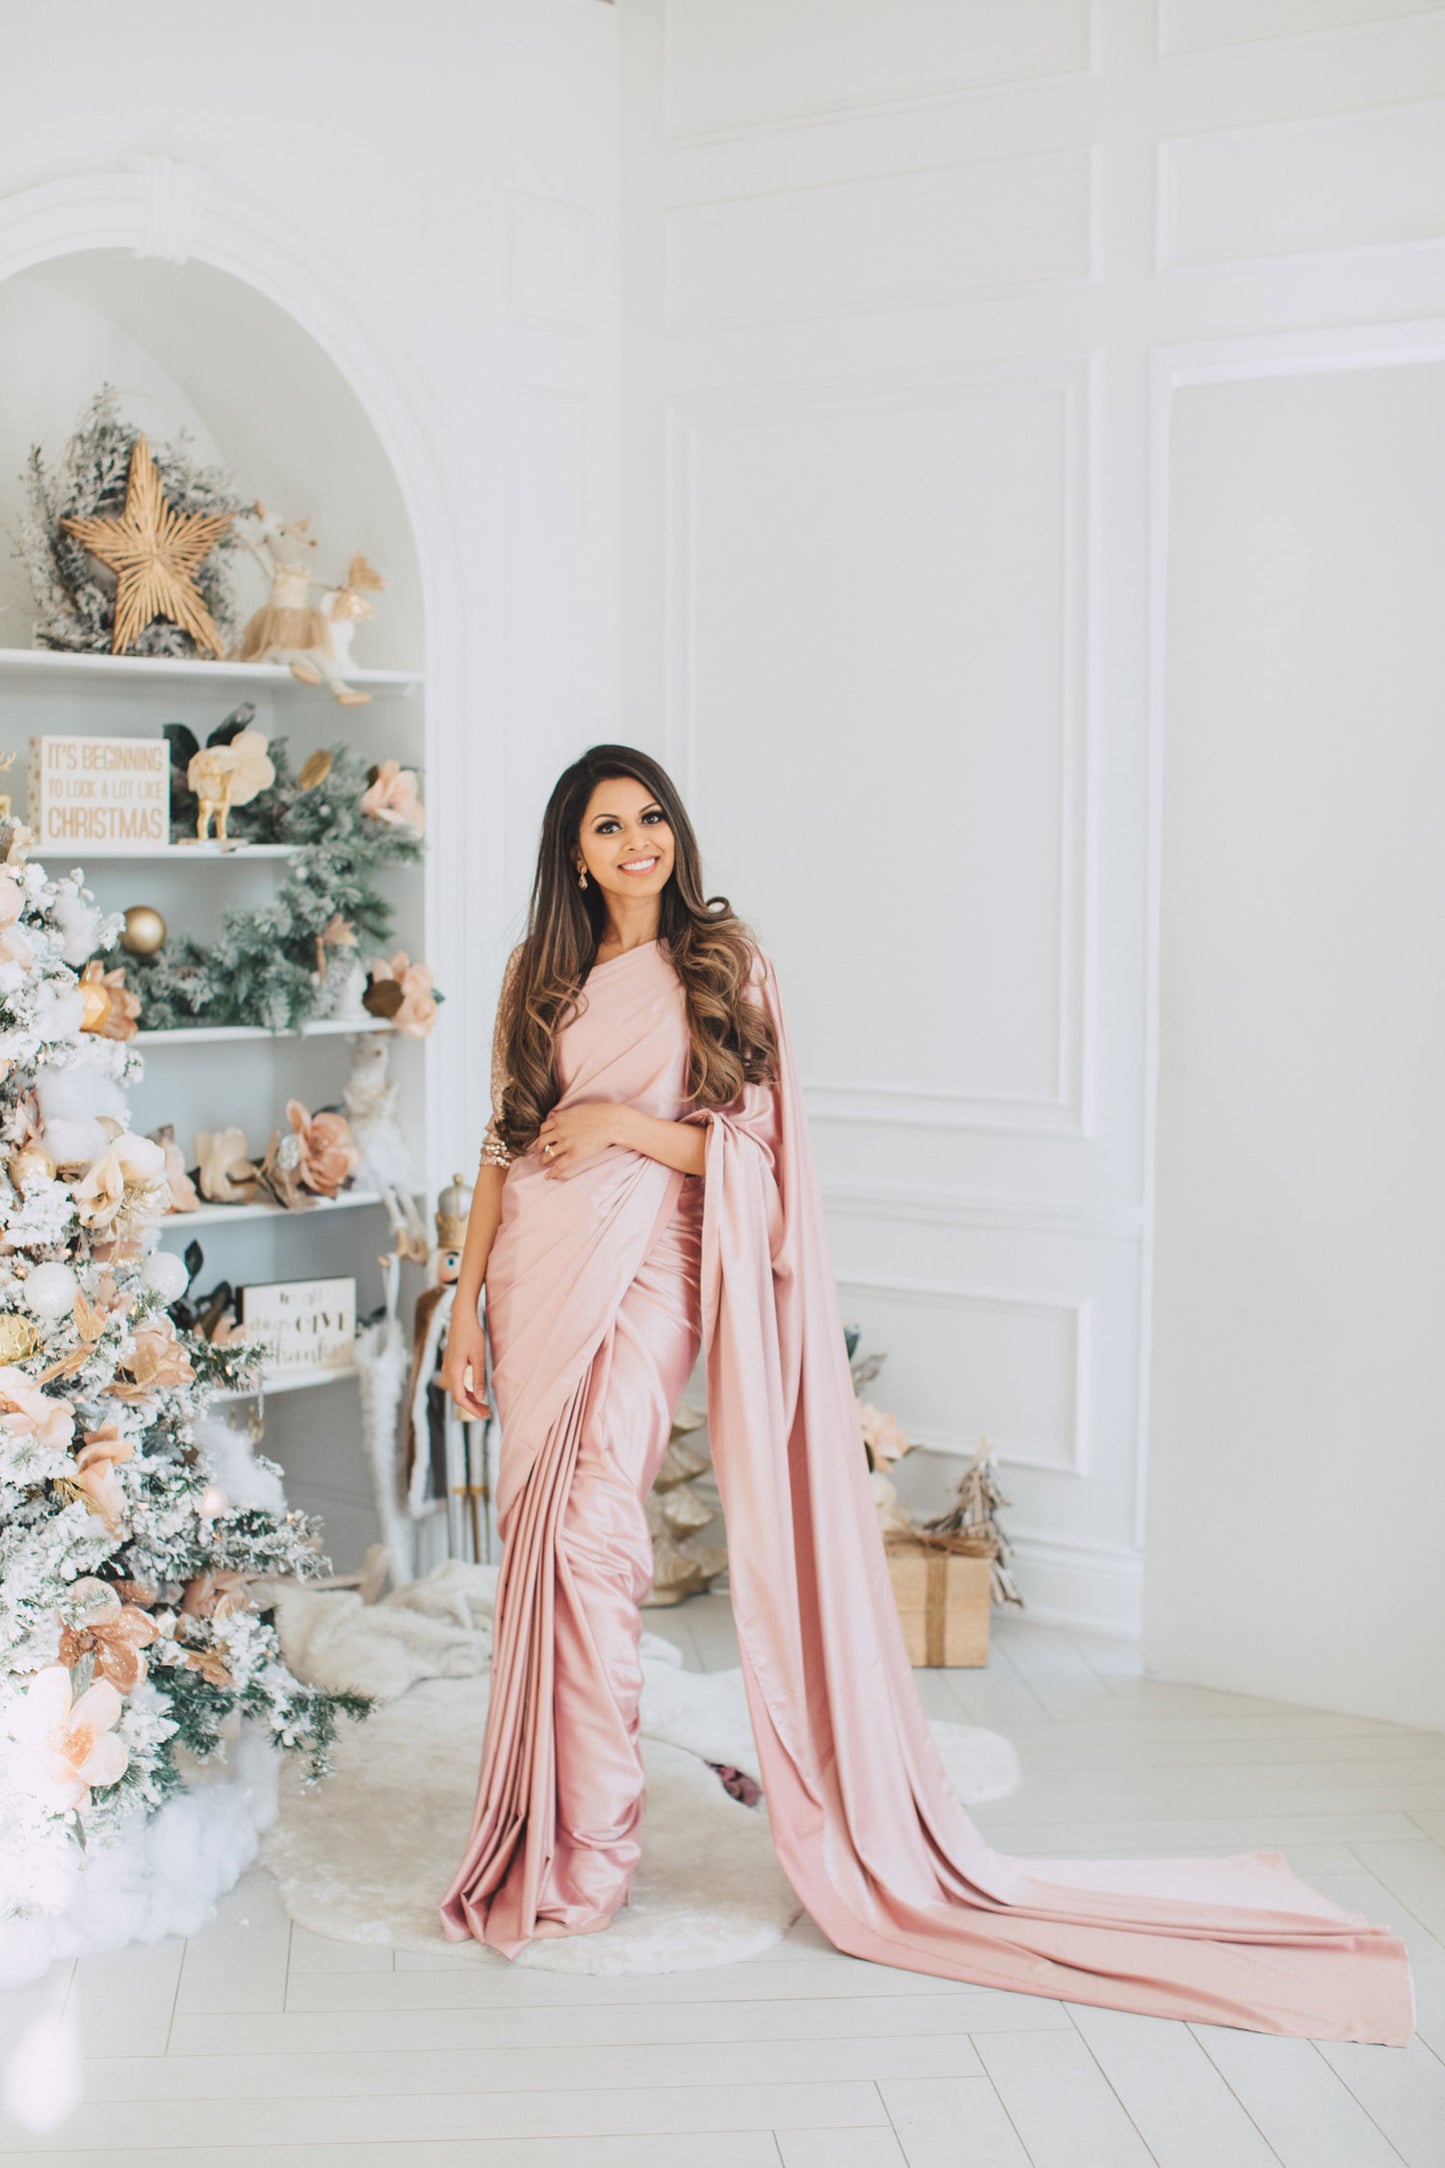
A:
x,y
365,1856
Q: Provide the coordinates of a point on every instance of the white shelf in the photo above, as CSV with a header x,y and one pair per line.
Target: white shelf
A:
x,y
189,854
229,1034
227,1215
298,1381
53,665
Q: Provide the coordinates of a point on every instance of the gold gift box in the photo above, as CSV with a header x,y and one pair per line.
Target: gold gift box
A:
x,y
943,1598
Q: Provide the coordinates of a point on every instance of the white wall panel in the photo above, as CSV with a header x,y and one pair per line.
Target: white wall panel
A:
x,y
1025,1361
885,583
1205,26
901,239
752,63
1014,1324
1346,180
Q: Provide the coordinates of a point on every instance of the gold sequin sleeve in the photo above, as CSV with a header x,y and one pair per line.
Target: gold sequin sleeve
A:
x,y
494,1152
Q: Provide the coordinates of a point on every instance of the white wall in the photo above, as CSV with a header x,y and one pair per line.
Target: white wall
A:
x,y
449,169
892,281
1295,1479
1298,1484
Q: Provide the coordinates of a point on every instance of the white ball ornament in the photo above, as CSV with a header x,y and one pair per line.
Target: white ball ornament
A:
x,y
50,1292
163,1274
212,1502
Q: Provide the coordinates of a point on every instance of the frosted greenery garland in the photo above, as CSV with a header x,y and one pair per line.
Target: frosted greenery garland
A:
x,y
148,1526
261,968
74,596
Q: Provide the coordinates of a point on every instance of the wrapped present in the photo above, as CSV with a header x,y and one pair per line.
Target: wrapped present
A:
x,y
943,1590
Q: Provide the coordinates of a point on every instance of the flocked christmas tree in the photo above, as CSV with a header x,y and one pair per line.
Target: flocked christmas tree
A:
x,y
130,1650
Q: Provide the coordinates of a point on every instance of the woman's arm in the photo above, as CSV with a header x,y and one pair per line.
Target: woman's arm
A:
x,y
464,1365
676,1144
575,1133
483,1221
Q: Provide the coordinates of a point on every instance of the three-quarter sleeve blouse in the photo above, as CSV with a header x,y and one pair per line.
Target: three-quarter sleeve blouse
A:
x,y
494,1151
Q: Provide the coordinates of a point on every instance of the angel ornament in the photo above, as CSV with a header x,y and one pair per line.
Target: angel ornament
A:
x,y
223,776
289,627
346,609
386,1162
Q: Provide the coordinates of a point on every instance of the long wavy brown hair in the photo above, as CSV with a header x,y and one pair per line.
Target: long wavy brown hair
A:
x,y
710,948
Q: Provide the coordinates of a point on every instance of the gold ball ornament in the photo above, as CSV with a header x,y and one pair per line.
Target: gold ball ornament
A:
x,y
29,1166
144,931
18,1337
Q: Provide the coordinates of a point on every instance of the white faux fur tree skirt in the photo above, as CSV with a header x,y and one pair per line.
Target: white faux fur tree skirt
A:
x,y
365,1856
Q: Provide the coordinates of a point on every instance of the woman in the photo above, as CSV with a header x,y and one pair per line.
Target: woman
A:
x,y
647,1187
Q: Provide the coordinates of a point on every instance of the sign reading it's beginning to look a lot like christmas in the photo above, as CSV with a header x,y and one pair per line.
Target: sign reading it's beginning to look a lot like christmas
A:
x,y
109,794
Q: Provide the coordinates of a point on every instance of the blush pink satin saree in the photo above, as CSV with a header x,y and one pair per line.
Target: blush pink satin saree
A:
x,y
863,1818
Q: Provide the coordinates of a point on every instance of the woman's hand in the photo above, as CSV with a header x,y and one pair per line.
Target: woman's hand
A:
x,y
464,1367
572,1134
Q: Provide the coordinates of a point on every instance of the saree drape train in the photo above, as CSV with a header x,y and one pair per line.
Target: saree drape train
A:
x,y
598,1286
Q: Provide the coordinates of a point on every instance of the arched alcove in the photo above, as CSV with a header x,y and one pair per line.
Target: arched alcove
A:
x,y
189,346
243,346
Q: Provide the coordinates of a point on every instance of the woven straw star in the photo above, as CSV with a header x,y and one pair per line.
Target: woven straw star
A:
x,y
154,551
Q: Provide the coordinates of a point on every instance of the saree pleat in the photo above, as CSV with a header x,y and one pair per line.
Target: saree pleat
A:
x,y
568,1264
516,1824
863,1818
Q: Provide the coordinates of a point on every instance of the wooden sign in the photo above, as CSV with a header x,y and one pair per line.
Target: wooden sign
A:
x,y
101,794
303,1324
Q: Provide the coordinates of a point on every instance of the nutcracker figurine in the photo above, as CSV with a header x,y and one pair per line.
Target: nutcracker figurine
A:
x,y
449,1460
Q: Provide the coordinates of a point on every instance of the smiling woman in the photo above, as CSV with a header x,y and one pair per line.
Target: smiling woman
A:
x,y
626,845
651,1189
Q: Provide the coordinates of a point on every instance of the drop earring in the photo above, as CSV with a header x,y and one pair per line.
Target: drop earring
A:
x,y
581,876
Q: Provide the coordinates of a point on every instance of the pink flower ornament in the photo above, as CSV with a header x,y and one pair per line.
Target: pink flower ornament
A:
x,y
883,1435
418,1010
27,1412
329,1153
110,1632
69,1746
392,798
101,1454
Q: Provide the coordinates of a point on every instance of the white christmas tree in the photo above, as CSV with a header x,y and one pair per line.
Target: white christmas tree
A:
x,y
142,1694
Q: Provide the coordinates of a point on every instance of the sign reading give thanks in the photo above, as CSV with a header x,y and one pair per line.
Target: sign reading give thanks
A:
x,y
302,1324
110,794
